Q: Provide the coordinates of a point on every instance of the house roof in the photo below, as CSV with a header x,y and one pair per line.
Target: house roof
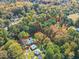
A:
x,y
37,51
30,41
33,46
27,41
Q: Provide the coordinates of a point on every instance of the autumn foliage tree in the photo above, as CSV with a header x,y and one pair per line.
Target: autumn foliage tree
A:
x,y
14,50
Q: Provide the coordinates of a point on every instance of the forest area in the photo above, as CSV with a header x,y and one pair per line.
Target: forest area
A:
x,y
39,29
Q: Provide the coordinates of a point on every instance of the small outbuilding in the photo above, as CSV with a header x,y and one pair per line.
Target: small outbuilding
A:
x,y
33,47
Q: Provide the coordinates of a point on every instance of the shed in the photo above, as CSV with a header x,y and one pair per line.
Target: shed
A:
x,y
33,47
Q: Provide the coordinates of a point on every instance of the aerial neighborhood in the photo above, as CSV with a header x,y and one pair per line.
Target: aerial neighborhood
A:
x,y
39,29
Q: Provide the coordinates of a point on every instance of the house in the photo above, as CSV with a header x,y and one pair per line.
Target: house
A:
x,y
26,42
37,52
30,41
33,47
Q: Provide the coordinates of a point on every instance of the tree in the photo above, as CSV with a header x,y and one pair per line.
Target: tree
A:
x,y
73,33
14,29
47,31
60,40
10,1
69,49
77,23
48,22
30,54
23,34
24,27
3,54
34,27
14,50
4,34
7,22
41,39
52,21
1,23
35,7
17,11
53,51
67,21
2,41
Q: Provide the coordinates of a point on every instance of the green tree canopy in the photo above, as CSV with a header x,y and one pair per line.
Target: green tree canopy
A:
x,y
14,50
53,51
